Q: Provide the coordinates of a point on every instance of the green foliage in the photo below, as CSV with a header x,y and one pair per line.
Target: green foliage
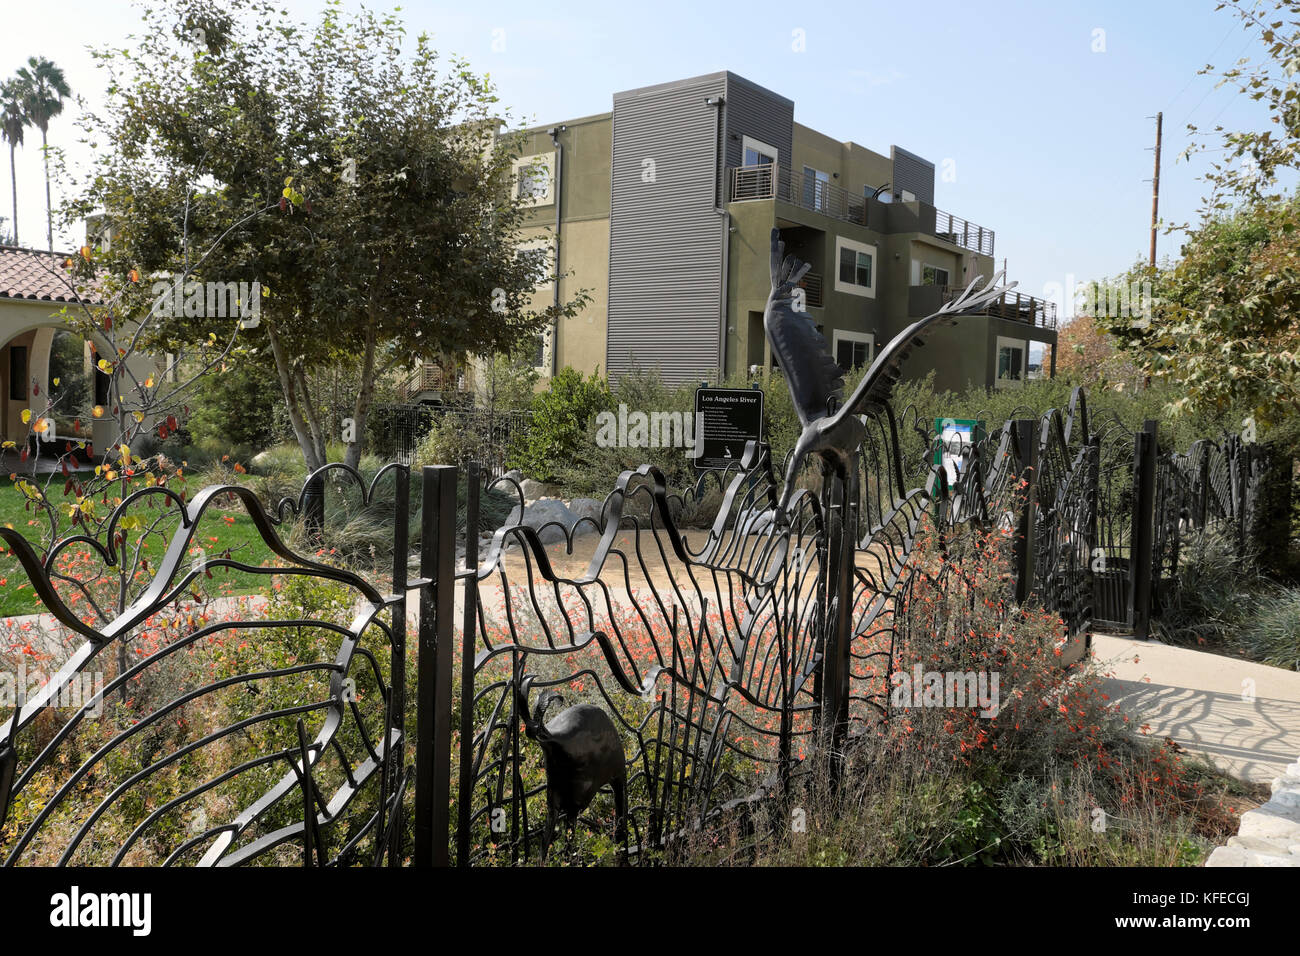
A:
x,y
372,203
235,411
561,426
1270,632
482,430
1224,329
1208,590
583,467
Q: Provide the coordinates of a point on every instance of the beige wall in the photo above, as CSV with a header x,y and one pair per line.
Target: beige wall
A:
x,y
33,324
855,165
584,250
583,241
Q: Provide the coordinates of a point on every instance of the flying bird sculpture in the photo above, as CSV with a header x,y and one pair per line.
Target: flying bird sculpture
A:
x,y
835,432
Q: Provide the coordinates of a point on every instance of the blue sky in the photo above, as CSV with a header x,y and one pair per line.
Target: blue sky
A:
x,y
1049,135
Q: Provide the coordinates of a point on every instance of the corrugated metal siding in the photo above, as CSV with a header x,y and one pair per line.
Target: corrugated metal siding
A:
x,y
762,114
912,173
665,240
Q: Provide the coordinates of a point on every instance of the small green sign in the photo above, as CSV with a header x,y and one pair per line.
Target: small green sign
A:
x,y
955,434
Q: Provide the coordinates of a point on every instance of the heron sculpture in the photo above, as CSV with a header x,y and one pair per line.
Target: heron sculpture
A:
x,y
831,430
835,432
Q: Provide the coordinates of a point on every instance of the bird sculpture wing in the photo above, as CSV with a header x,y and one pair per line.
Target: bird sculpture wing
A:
x,y
878,384
810,370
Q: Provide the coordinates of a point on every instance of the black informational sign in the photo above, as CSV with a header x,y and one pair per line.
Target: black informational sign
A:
x,y
725,419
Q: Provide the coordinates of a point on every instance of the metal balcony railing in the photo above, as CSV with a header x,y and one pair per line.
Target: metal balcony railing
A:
x,y
1016,307
432,377
812,286
774,181
961,232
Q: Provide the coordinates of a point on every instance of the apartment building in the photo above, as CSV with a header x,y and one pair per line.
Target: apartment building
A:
x,y
662,210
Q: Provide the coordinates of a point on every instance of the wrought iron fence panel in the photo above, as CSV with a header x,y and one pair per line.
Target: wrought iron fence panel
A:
x,y
225,734
1065,526
702,653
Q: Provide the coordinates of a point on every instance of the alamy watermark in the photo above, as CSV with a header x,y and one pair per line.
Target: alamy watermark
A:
x,y
638,429
174,299
953,690
85,690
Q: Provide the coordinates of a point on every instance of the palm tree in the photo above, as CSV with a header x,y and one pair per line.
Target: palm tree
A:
x,y
45,93
12,120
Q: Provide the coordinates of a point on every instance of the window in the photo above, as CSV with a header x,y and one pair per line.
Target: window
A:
x,y
933,275
18,373
758,153
540,254
1013,355
856,272
816,187
533,179
853,349
541,357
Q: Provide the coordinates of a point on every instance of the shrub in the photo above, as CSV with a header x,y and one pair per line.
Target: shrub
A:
x,y
234,412
562,416
1201,607
1271,633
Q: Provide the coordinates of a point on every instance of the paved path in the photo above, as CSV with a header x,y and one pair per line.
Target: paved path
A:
x,y
1244,717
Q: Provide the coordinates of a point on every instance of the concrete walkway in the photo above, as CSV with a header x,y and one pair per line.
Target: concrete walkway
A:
x,y
1244,717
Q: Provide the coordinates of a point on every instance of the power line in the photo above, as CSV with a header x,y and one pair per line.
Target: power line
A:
x,y
1193,77
1248,42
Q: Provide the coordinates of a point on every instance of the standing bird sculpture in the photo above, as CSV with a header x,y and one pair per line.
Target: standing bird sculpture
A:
x,y
583,751
835,432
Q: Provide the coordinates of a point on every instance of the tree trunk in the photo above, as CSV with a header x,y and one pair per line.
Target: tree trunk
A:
x,y
365,396
13,180
310,455
313,416
49,209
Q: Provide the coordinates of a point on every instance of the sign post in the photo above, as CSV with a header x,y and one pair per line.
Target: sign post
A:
x,y
725,420
955,435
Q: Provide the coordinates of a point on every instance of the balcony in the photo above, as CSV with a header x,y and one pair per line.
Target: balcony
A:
x,y
811,284
774,181
962,233
1039,313
430,380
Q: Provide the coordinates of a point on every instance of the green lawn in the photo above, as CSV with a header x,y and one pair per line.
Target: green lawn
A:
x,y
218,531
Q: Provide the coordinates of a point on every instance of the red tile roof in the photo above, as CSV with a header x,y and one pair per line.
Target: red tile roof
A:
x,y
38,276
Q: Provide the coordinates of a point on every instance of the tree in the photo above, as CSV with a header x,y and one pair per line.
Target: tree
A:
x,y
393,231
1225,323
1223,327
1252,159
1087,354
13,120
44,91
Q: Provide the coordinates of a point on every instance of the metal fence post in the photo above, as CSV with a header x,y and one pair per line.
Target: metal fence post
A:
x,y
1143,540
1203,489
469,633
840,497
1026,431
395,763
313,507
433,665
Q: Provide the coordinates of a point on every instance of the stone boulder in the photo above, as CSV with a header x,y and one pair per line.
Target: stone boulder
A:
x,y
534,490
588,508
538,514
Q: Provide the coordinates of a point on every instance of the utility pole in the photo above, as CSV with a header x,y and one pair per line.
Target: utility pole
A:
x,y
1155,190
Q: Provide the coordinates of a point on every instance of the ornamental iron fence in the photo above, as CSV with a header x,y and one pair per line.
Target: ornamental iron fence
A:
x,y
699,644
